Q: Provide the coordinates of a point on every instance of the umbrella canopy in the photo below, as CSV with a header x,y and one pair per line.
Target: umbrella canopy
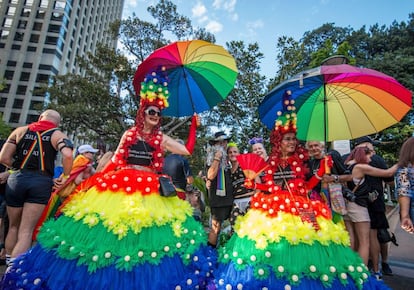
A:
x,y
339,102
200,75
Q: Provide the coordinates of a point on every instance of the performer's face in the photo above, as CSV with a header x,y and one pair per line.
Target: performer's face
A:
x,y
288,144
152,115
259,149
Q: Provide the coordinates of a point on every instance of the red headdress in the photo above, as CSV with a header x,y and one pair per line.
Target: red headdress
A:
x,y
286,123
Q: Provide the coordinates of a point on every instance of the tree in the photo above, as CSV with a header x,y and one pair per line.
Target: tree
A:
x,y
93,108
386,49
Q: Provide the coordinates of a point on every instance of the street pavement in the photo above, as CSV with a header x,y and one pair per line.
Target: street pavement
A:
x,y
401,258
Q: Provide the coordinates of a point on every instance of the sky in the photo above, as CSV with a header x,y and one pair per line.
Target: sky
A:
x,y
263,21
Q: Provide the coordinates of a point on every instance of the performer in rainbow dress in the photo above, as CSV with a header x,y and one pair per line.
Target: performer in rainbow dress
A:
x,y
287,241
116,231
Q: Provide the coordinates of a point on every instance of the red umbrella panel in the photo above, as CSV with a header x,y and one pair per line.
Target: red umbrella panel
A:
x,y
201,75
339,102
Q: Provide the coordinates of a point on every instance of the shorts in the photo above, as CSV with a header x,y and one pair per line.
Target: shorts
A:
x,y
30,187
356,213
378,220
221,213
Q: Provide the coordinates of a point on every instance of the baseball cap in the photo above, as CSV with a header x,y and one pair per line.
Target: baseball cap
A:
x,y
87,148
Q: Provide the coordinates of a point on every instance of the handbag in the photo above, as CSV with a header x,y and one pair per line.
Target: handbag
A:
x,y
337,198
384,236
167,188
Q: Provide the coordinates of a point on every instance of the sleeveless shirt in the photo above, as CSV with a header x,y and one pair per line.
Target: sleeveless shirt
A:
x,y
34,160
140,153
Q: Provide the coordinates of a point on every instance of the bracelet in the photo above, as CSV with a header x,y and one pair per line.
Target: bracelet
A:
x,y
65,176
336,178
217,159
317,176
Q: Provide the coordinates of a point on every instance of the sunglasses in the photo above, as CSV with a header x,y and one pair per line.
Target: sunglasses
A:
x,y
152,112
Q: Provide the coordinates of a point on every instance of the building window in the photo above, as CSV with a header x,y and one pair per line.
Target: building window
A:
x,y
25,76
3,102
28,2
8,22
25,12
44,3
40,14
32,118
31,48
8,74
38,92
34,38
37,26
21,90
54,28
27,65
22,24
15,47
6,89
11,63
57,16
11,11
19,36
36,105
42,78
14,118
4,34
60,4
51,40
18,103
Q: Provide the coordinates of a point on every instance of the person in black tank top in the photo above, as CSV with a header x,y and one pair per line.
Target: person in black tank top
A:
x,y
30,153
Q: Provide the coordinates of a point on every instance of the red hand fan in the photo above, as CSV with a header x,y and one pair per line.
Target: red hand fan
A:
x,y
251,164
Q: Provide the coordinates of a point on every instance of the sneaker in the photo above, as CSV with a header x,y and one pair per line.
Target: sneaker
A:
x,y
386,269
377,276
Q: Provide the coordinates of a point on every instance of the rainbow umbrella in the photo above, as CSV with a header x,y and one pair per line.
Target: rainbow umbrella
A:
x,y
200,75
339,102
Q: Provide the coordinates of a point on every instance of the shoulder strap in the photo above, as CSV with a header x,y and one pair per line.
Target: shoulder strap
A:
x,y
37,141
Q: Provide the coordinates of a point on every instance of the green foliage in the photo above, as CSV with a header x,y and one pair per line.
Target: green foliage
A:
x,y
91,108
386,49
5,129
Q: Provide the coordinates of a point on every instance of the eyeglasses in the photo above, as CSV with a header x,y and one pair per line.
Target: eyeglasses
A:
x,y
288,139
153,112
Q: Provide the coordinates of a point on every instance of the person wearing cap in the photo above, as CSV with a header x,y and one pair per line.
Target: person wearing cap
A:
x,y
376,209
118,230
218,185
82,169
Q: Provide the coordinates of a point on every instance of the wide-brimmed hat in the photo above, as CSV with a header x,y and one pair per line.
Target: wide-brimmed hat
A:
x,y
219,136
365,139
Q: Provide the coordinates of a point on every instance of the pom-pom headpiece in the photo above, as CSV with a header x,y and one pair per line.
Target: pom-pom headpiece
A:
x,y
286,120
256,140
154,89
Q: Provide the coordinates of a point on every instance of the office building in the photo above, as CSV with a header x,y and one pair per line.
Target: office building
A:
x,y
42,38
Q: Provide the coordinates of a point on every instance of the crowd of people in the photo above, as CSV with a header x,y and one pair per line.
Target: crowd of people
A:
x,y
110,225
